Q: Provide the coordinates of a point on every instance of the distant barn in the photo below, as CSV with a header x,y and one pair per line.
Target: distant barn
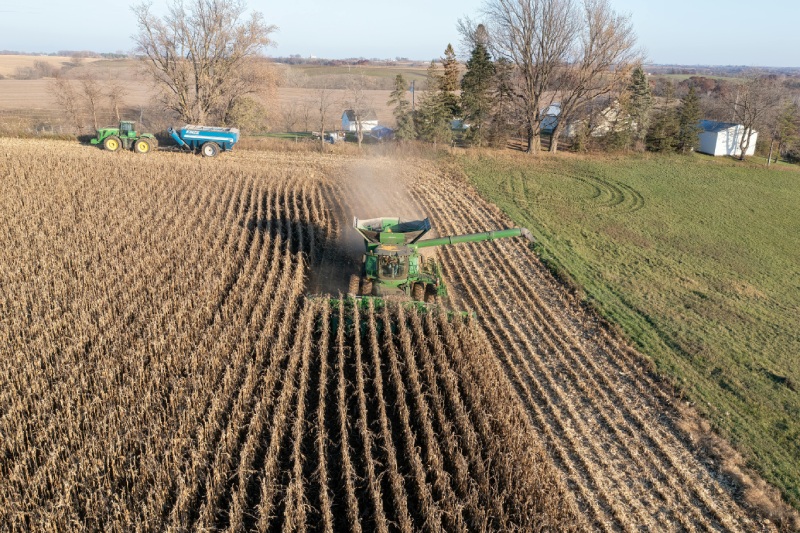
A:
x,y
368,121
724,138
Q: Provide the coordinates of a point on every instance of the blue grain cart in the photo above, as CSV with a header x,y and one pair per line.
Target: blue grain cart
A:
x,y
209,139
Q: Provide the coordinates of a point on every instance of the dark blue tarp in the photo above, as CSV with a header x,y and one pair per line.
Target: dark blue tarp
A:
x,y
381,132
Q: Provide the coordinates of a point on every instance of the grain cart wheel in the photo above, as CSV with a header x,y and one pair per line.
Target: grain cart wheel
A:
x,y
209,149
111,143
142,146
418,292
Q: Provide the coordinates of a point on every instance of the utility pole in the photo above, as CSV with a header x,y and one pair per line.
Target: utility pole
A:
x,y
412,96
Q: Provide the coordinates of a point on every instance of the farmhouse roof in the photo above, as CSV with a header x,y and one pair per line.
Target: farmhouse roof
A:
x,y
714,126
368,115
553,110
381,132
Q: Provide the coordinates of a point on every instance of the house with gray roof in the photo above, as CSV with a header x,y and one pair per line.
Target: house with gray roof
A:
x,y
368,121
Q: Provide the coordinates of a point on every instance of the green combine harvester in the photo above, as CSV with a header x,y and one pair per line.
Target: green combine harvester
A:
x,y
392,264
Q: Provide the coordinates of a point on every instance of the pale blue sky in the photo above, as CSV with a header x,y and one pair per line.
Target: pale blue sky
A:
x,y
721,32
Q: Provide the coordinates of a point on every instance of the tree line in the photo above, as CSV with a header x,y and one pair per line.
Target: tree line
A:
x,y
525,56
555,69
536,70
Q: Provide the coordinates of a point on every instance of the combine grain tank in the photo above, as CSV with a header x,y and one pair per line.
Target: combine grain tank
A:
x,y
392,263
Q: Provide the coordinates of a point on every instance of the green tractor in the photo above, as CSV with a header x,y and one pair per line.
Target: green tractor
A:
x,y
392,264
112,139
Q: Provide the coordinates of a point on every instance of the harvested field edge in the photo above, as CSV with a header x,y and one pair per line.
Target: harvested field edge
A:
x,y
564,297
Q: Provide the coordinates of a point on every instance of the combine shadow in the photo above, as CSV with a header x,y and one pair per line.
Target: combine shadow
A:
x,y
330,261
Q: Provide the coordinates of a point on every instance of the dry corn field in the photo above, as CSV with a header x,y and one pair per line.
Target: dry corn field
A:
x,y
165,368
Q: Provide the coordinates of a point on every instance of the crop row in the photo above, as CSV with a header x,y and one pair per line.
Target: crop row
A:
x,y
163,367
607,423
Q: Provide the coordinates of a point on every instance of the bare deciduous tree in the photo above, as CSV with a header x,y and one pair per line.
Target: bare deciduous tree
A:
x,y
751,104
116,92
92,93
356,100
289,116
325,100
258,80
557,49
536,36
67,99
784,129
601,62
305,112
201,54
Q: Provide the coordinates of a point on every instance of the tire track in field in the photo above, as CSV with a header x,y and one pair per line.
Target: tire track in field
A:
x,y
556,348
609,424
621,197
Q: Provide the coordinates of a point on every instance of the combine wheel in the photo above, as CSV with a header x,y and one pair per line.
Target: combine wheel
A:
x,y
111,143
418,292
142,146
431,296
355,281
210,149
366,287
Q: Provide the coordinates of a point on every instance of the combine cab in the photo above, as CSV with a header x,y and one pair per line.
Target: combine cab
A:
x,y
392,264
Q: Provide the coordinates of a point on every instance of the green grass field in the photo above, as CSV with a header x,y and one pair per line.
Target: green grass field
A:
x,y
676,78
698,260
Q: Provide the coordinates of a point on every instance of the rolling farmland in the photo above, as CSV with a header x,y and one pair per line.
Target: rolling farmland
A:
x,y
696,258
177,356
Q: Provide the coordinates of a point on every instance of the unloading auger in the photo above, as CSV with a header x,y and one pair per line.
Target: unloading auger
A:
x,y
392,263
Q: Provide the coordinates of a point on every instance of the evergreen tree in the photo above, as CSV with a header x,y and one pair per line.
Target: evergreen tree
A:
x,y
448,81
664,131
501,113
621,133
402,110
433,117
639,103
689,122
476,97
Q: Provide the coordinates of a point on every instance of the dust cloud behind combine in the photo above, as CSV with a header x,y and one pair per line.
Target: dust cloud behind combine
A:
x,y
367,188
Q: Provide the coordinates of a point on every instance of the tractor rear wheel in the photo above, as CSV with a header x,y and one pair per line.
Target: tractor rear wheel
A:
x,y
111,143
142,146
418,292
210,149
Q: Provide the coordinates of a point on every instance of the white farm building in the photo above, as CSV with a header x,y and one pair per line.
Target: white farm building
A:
x,y
724,138
368,121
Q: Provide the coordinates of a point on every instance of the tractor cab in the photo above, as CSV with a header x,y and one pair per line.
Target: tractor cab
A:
x,y
126,128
